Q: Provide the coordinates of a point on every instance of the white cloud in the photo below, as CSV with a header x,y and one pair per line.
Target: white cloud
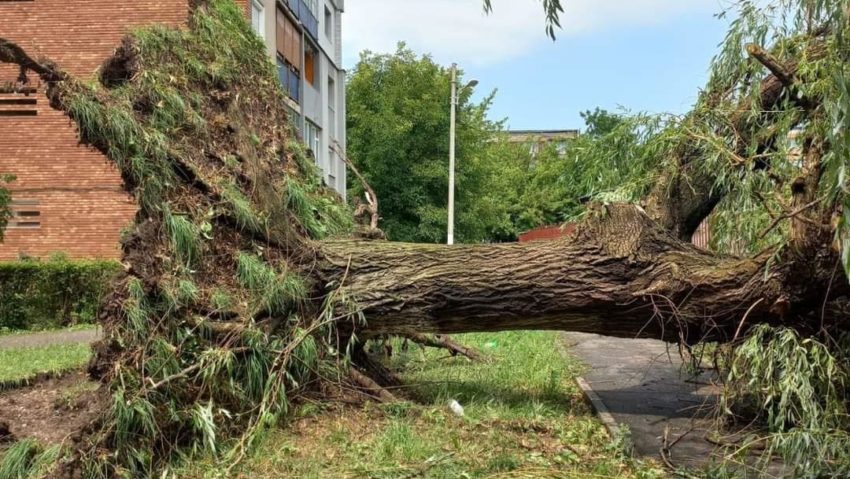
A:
x,y
458,30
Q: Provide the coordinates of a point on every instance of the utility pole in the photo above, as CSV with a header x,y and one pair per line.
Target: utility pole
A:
x,y
451,231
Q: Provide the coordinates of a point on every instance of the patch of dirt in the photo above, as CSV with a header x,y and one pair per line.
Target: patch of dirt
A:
x,y
52,410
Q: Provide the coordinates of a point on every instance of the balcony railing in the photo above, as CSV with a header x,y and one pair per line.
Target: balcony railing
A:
x,y
290,80
305,16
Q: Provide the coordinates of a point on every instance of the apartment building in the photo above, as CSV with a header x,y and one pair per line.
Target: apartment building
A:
x,y
304,37
536,140
68,197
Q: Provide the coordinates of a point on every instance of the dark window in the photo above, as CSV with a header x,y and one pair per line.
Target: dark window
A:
x,y
26,214
329,24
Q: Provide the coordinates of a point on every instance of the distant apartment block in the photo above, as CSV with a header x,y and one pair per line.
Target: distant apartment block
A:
x,y
536,140
304,37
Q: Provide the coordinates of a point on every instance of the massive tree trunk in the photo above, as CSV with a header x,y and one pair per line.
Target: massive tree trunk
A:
x,y
621,275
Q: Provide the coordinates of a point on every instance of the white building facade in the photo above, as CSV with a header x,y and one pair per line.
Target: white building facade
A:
x,y
304,37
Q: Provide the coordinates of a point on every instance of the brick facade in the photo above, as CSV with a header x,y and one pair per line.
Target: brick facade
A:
x,y
68,197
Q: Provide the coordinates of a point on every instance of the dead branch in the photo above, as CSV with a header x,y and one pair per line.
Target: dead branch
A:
x,y
782,73
371,205
792,214
444,342
374,389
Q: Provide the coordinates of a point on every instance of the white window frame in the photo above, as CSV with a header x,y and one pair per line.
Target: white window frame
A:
x,y
313,134
258,18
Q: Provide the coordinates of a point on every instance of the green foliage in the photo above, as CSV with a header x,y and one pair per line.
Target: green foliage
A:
x,y
272,292
53,293
184,237
601,122
797,388
28,459
398,130
5,202
785,29
618,160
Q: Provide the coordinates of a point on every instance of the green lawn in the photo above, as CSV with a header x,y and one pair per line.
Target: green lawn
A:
x,y
524,418
18,365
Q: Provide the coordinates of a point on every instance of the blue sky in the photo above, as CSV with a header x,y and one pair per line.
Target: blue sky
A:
x,y
644,55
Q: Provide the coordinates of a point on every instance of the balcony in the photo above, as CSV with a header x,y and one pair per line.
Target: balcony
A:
x,y
305,16
290,80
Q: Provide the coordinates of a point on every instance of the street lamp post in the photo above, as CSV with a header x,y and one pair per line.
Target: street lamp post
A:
x,y
453,121
451,232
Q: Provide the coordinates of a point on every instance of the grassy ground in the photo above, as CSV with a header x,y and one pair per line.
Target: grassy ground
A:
x,y
524,417
18,365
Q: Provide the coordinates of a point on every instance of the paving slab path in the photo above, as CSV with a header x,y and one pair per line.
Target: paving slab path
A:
x,y
640,383
49,338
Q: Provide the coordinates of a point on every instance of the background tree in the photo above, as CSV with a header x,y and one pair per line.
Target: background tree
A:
x,y
398,130
610,161
600,122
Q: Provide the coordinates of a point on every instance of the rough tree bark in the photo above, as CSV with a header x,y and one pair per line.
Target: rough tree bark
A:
x,y
621,275
628,272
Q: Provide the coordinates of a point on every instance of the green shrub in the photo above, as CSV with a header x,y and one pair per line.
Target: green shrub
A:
x,y
57,292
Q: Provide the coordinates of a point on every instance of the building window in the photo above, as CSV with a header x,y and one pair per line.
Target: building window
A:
x,y
312,138
311,57
329,24
331,107
258,18
332,166
26,214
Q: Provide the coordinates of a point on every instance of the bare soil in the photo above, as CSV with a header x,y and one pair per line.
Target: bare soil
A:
x,y
52,410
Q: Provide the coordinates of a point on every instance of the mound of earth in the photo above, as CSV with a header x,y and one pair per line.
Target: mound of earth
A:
x,y
51,410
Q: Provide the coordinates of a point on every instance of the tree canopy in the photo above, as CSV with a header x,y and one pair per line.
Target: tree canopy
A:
x,y
398,130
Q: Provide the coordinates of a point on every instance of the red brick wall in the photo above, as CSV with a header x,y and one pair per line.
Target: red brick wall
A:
x,y
81,201
547,233
80,34
81,204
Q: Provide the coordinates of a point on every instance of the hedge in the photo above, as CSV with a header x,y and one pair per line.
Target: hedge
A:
x,y
58,292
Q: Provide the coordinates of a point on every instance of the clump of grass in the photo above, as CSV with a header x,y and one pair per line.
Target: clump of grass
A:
x,y
273,292
27,458
184,236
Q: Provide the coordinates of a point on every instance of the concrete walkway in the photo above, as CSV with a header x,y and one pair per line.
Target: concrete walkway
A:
x,y
638,382
49,338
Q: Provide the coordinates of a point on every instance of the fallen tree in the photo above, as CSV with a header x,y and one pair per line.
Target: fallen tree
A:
x,y
240,291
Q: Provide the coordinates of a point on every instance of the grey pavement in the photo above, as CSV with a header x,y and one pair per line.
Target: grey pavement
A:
x,y
641,384
49,338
